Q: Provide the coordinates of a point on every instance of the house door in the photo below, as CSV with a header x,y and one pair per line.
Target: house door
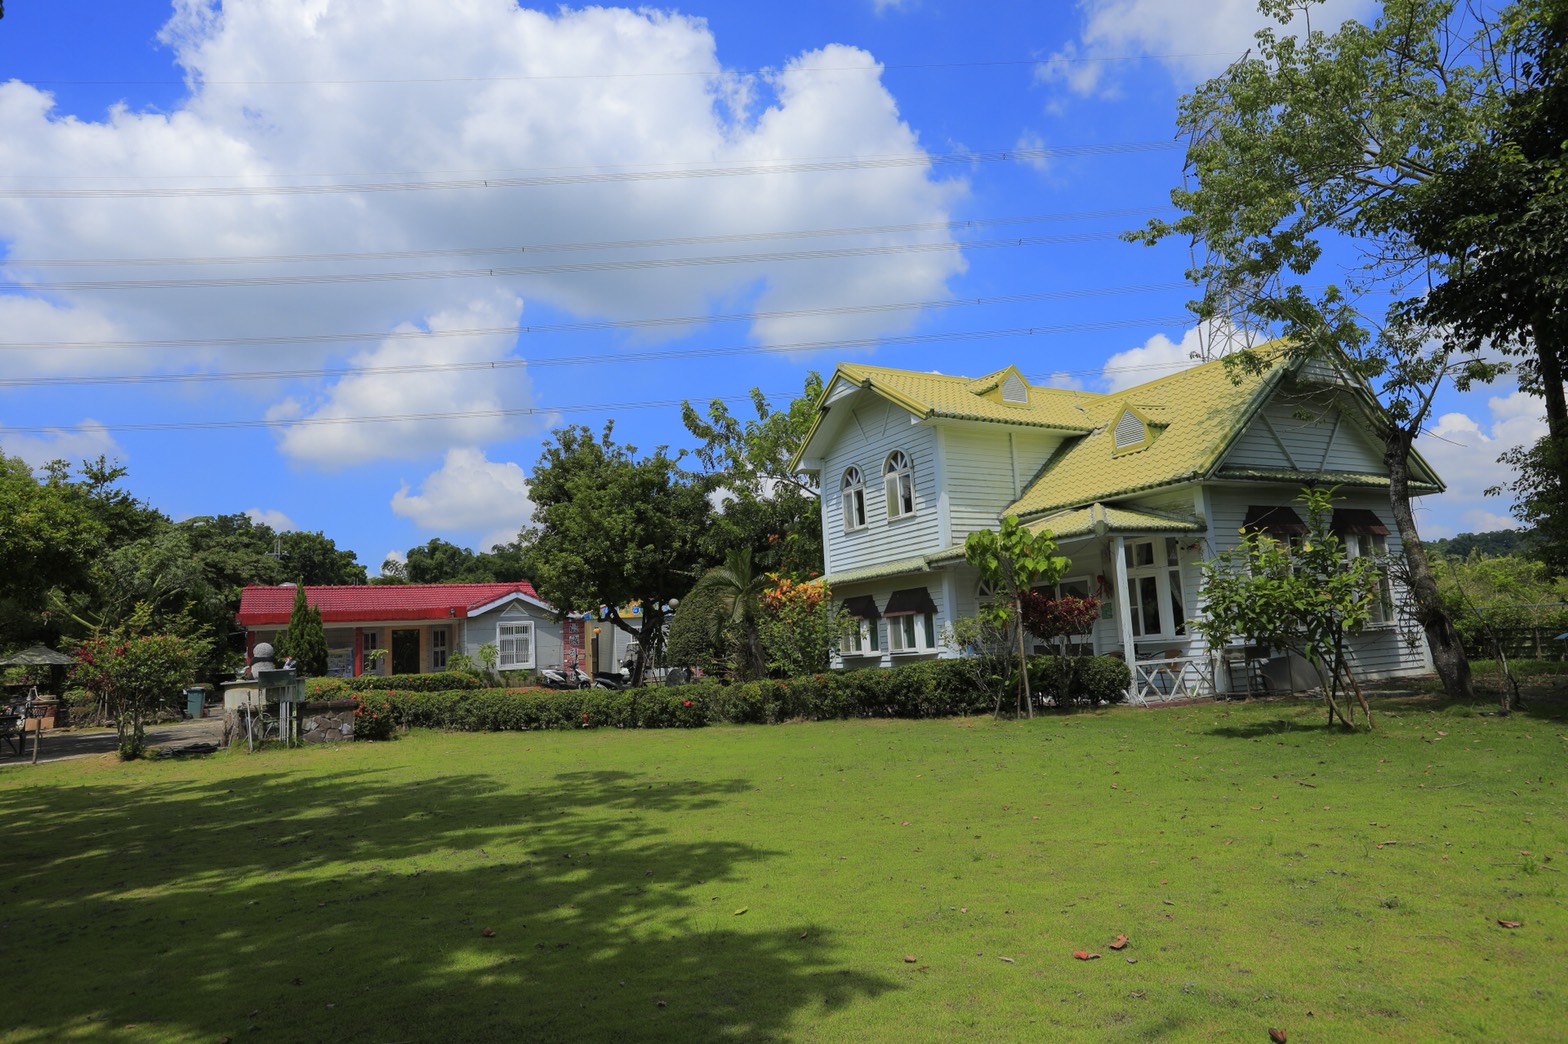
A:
x,y
405,651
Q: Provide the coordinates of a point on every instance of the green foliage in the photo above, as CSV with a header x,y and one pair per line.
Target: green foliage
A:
x,y
928,689
134,676
1493,544
697,636
763,497
732,591
1307,597
1503,597
305,638
1011,560
798,626
614,527
440,681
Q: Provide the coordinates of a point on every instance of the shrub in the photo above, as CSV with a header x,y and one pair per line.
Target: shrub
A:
x,y
929,689
443,681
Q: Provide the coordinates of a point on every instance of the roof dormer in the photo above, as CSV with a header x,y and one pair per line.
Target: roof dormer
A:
x,y
1133,430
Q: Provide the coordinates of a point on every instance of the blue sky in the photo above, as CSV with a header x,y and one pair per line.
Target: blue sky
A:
x,y
477,219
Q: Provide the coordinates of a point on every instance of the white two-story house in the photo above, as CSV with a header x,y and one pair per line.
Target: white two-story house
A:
x,y
1139,488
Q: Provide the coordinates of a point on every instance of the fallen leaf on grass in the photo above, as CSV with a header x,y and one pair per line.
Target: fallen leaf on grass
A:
x,y
1277,1035
1132,960
910,958
742,910
1009,960
1511,924
804,934
1085,955
1120,942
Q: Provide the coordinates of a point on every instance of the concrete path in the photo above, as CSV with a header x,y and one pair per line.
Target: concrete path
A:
x,y
73,743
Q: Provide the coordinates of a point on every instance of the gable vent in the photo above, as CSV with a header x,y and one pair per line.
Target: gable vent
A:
x,y
1129,430
1014,389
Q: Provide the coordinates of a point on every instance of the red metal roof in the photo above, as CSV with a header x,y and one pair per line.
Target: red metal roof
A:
x,y
260,606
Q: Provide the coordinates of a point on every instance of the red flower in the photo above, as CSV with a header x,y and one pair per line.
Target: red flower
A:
x,y
686,704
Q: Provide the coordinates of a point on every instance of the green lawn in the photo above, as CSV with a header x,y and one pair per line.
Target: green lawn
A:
x,y
771,882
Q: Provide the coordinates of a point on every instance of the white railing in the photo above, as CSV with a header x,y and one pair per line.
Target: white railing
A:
x,y
1171,678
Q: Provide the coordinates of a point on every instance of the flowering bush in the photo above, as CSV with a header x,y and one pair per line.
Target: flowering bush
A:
x,y
797,625
375,716
1068,616
132,677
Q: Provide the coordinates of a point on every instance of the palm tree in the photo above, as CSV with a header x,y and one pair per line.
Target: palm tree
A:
x,y
735,587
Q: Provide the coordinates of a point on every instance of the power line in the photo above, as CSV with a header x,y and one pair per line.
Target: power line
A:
x,y
598,177
541,248
645,74
581,360
544,411
579,327
561,268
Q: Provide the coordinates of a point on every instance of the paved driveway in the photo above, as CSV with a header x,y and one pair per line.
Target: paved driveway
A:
x,y
59,745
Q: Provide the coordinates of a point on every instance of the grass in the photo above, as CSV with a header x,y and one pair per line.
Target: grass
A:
x,y
770,882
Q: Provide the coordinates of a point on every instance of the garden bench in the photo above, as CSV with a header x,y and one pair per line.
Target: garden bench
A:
x,y
11,732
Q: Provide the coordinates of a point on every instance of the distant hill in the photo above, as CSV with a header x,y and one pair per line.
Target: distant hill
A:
x,y
1494,545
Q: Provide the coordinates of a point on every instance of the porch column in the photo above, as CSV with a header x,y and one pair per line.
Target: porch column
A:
x,y
1124,611
359,651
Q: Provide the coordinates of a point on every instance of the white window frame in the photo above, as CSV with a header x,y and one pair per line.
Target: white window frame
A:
x,y
923,633
1370,545
863,638
898,485
440,645
853,491
503,639
1164,569
369,642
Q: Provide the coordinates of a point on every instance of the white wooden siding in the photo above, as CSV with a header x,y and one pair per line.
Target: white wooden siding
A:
x,y
876,429
1328,441
881,591
986,471
1379,651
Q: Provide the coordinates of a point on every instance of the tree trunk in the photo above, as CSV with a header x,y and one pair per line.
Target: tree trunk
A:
x,y
1448,653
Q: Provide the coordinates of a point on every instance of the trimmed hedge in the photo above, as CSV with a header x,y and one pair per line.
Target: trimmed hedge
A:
x,y
930,689
444,681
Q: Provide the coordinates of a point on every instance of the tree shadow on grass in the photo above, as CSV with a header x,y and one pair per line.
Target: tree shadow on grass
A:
x,y
355,906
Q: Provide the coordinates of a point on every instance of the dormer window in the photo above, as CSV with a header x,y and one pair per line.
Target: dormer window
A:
x,y
1014,389
898,483
1132,431
854,490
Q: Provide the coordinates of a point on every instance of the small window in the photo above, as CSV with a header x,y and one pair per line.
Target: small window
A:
x,y
911,622
898,484
862,638
515,645
854,490
1014,390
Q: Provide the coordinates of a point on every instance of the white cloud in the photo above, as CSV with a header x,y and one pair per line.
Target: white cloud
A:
x,y
1031,142
88,441
469,494
1464,451
1159,356
291,94
272,518
883,6
1194,39
467,395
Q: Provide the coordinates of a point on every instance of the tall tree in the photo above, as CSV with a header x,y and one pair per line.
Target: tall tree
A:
x,y
1501,217
764,506
613,527
1311,154
48,539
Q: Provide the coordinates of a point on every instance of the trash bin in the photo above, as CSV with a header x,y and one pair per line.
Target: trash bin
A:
x,y
195,701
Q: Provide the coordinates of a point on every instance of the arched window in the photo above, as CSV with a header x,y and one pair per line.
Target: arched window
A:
x,y
898,483
854,490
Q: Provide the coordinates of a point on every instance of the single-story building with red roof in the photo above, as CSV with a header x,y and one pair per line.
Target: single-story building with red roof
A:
x,y
414,628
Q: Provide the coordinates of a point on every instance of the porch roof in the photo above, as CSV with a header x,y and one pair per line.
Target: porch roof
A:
x,y
1083,522
918,564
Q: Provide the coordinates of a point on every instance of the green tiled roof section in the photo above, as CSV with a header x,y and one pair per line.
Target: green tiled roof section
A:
x,y
877,572
1080,522
1203,410
940,395
1321,478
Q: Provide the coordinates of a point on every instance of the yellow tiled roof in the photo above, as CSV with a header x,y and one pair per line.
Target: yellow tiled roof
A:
x,y
964,398
1197,412
1076,522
